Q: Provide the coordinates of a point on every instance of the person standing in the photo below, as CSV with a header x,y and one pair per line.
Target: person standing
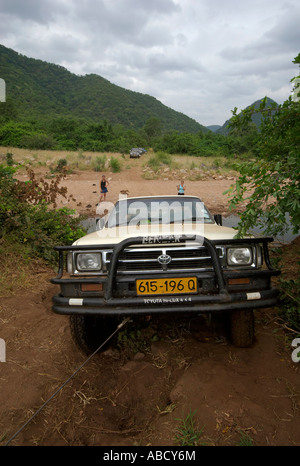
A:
x,y
181,188
103,188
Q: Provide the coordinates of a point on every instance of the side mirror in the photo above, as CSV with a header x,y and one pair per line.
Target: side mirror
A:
x,y
218,219
100,223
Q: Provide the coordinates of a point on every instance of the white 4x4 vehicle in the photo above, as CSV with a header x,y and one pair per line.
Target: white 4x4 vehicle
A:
x,y
162,255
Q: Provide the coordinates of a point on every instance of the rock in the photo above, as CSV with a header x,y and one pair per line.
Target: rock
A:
x,y
138,356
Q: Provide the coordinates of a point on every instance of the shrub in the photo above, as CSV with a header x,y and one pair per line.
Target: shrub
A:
x,y
38,141
164,158
61,165
160,158
43,228
9,159
27,218
99,163
115,165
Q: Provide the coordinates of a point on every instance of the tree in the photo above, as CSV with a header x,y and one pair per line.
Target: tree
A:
x,y
270,184
152,127
8,110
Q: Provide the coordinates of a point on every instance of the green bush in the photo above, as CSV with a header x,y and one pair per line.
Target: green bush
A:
x,y
158,159
37,141
61,165
9,159
26,217
42,228
99,163
115,165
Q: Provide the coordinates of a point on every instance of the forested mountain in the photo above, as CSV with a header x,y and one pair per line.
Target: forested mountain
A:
x,y
256,117
39,90
213,128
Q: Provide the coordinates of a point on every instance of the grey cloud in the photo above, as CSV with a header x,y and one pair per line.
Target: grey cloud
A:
x,y
134,21
286,34
282,37
161,63
32,10
202,58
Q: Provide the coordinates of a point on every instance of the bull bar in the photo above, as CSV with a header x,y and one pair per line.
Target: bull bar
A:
x,y
221,301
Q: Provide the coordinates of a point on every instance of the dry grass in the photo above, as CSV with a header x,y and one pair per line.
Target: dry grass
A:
x,y
85,160
19,273
47,158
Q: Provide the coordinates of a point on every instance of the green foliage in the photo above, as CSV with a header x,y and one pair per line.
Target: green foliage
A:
x,y
131,341
57,110
245,440
158,159
27,219
42,228
71,134
8,110
270,184
136,337
99,163
115,165
61,165
153,127
188,433
9,159
13,133
7,202
40,88
38,140
255,120
200,144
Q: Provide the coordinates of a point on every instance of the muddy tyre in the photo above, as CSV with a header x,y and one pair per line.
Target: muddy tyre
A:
x,y
242,328
89,332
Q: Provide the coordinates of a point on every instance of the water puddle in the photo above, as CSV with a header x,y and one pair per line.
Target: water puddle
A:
x,y
288,237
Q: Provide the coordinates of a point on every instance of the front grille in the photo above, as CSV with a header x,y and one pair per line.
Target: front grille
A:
x,y
141,260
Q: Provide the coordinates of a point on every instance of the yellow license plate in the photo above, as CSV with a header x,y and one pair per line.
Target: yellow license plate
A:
x,y
185,285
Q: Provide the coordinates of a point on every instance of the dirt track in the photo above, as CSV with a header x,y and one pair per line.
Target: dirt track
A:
x,y
135,394
87,189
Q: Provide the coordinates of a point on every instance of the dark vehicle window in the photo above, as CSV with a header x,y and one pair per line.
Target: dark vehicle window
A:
x,y
158,211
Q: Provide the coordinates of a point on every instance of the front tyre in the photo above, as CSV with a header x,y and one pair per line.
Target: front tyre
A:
x,y
90,332
242,327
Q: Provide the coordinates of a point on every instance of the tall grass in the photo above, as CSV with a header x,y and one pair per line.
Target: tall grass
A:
x,y
99,163
158,159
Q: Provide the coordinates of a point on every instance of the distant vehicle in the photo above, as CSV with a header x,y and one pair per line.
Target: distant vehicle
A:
x,y
136,152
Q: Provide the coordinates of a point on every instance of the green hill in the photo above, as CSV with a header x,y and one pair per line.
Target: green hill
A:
x,y
256,117
213,128
41,90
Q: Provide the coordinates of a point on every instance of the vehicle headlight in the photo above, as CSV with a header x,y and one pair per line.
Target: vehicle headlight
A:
x,y
86,262
239,256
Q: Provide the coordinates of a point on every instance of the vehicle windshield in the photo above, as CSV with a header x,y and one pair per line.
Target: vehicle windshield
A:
x,y
143,211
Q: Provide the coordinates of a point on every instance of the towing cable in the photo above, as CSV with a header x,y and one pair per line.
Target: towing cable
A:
x,y
67,381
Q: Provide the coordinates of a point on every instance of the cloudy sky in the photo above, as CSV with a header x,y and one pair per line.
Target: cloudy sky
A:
x,y
199,57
